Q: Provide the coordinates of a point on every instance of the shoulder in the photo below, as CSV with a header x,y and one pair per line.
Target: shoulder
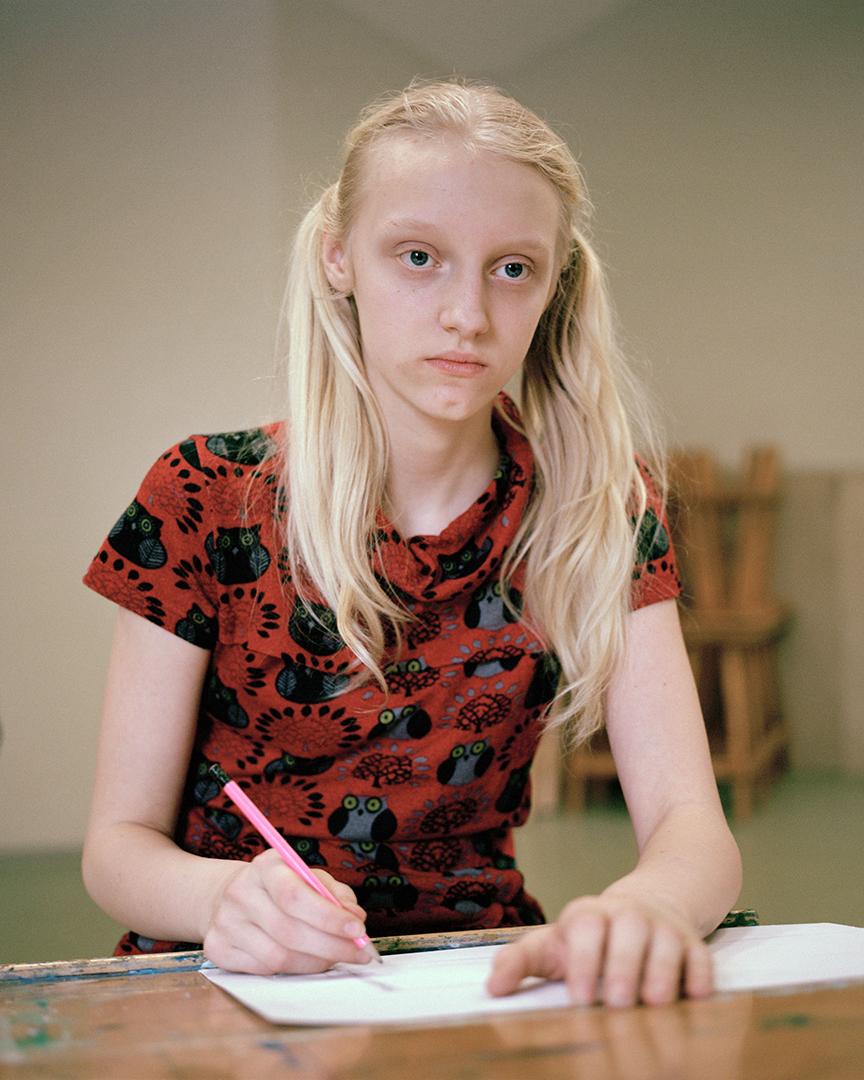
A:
x,y
224,465
226,454
202,520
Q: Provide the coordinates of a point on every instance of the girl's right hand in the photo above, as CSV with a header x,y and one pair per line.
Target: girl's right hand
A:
x,y
267,921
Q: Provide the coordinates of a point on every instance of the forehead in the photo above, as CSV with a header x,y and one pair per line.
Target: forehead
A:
x,y
442,180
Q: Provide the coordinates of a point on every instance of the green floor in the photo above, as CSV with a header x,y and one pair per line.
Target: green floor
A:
x,y
45,914
803,855
803,852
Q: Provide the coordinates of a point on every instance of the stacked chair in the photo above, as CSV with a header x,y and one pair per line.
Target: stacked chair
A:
x,y
723,532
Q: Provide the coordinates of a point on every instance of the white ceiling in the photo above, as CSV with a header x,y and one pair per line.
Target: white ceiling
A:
x,y
480,37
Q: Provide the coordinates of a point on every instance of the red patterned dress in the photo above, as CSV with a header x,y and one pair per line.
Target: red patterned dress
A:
x,y
409,797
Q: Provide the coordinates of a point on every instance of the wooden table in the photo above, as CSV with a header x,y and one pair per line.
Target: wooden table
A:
x,y
157,1017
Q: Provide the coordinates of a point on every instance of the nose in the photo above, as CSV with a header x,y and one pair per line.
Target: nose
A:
x,y
465,308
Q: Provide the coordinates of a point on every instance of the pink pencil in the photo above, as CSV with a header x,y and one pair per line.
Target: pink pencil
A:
x,y
275,839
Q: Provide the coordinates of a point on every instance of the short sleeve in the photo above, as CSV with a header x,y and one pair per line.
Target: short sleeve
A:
x,y
655,575
154,560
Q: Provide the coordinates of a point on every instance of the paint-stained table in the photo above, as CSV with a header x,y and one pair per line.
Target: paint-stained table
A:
x,y
157,1018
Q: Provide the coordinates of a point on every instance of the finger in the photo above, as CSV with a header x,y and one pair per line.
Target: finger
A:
x,y
300,934
699,973
585,946
311,935
316,927
664,966
341,892
296,899
628,940
296,918
250,949
534,954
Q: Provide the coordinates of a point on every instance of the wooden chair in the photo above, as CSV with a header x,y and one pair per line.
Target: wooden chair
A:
x,y
732,621
723,536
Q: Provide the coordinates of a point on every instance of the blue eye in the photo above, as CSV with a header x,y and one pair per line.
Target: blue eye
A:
x,y
418,258
514,270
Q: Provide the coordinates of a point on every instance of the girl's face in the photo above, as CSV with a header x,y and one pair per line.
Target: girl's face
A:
x,y
451,261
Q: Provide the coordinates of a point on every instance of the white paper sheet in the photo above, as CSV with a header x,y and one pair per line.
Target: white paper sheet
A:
x,y
799,954
406,987
412,987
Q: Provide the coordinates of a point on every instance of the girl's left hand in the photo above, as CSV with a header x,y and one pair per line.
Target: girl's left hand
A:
x,y
614,949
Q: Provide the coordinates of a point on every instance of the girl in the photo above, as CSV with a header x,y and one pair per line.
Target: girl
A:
x,y
367,613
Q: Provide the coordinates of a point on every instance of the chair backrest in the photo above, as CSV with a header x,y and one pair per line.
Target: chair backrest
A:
x,y
724,529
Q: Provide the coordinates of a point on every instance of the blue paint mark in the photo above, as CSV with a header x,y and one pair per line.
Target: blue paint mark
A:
x,y
182,963
284,1052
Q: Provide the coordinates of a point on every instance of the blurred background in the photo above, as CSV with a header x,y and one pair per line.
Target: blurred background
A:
x,y
155,158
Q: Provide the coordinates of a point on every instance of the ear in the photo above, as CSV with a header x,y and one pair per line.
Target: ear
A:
x,y
336,267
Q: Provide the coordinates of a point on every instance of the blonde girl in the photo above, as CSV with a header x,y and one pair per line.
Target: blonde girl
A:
x,y
375,605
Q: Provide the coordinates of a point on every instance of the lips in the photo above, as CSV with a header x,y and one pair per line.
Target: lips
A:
x,y
457,363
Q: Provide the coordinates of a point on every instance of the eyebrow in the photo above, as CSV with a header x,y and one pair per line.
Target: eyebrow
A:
x,y
528,244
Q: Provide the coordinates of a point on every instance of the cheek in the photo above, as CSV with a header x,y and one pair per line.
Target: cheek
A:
x,y
381,325
383,308
524,325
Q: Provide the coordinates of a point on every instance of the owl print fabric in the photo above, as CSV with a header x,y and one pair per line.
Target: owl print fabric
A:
x,y
408,796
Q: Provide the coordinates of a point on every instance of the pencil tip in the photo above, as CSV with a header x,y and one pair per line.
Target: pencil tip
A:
x,y
371,951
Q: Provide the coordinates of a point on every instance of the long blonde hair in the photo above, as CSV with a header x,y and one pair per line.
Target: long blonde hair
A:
x,y
577,538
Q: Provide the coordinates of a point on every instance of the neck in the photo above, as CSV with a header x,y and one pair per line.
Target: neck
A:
x,y
436,472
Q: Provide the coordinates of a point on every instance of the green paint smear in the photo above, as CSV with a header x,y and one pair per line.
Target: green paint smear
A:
x,y
37,1039
793,1020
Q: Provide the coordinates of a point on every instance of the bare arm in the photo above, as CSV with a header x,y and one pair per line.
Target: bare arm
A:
x,y
256,916
643,935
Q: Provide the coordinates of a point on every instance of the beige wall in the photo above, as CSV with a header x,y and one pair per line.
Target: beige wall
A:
x,y
722,143
822,657
154,157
